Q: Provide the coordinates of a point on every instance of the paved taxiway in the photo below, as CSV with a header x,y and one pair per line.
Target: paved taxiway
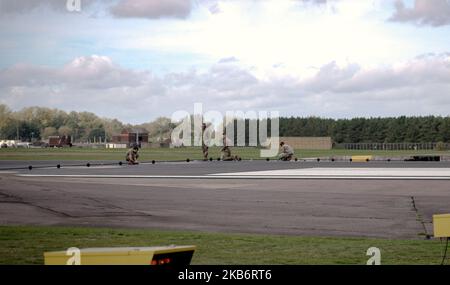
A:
x,y
376,207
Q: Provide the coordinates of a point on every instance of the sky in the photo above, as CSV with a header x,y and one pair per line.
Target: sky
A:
x,y
136,60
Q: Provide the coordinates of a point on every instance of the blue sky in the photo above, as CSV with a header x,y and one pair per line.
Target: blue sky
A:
x,y
137,60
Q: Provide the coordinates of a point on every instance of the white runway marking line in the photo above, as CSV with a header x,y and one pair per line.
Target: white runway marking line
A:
x,y
308,173
92,167
348,172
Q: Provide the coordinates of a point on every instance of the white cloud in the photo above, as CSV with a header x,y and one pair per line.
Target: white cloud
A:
x,y
416,87
24,6
99,72
152,9
96,72
149,9
316,2
424,12
297,36
422,71
352,78
28,6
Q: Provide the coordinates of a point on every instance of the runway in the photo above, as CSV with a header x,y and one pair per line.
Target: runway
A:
x,y
199,168
386,199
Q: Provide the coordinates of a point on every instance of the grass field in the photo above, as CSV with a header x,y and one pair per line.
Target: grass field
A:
x,y
192,153
26,245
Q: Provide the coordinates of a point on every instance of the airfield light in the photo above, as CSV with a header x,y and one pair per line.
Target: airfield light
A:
x,y
161,261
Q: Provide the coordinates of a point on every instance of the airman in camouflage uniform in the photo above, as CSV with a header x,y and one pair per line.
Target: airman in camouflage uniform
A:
x,y
225,152
204,146
286,152
133,155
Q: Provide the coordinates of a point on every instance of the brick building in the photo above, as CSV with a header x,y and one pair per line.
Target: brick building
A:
x,y
128,137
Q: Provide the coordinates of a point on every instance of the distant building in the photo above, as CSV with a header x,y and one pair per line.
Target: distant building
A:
x,y
308,142
128,137
59,141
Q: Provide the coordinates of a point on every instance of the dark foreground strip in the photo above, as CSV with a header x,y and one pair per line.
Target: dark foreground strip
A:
x,y
226,274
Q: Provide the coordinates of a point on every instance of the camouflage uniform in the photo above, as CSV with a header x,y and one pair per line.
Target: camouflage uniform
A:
x,y
204,146
205,151
132,156
286,152
226,154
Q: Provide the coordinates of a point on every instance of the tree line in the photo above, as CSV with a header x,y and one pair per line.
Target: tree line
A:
x,y
401,129
38,123
371,130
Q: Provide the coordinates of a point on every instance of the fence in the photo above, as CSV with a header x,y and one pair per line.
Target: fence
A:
x,y
308,142
390,146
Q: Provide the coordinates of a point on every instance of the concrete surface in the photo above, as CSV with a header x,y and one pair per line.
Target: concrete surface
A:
x,y
368,208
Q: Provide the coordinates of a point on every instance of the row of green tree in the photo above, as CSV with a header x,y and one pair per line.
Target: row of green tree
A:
x,y
376,130
39,123
365,130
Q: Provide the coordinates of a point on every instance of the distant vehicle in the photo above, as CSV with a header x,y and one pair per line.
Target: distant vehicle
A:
x,y
23,144
8,143
39,144
59,141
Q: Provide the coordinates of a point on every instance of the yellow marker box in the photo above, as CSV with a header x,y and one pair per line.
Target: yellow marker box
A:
x,y
441,224
160,255
361,158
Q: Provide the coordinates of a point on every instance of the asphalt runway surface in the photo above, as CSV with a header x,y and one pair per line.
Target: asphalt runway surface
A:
x,y
294,198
